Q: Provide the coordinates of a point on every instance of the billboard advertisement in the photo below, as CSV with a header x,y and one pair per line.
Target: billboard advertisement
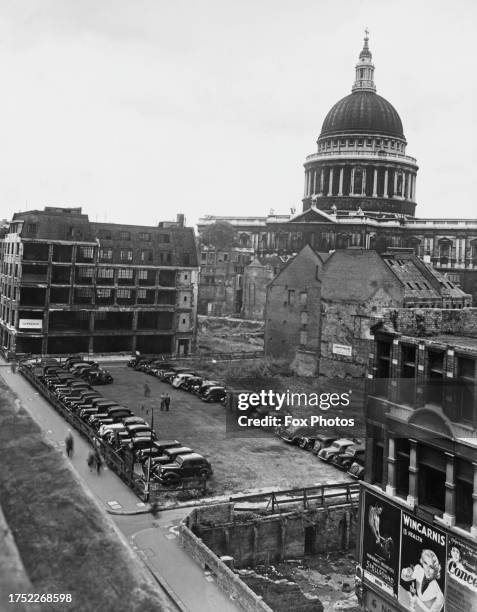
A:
x,y
422,572
461,575
381,536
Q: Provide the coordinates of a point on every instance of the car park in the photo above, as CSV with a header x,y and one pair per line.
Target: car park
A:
x,y
337,448
184,466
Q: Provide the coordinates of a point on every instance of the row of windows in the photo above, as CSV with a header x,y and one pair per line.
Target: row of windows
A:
x,y
107,234
334,143
457,395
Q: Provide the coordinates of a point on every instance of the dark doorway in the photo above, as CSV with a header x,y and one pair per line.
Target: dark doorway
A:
x,y
310,540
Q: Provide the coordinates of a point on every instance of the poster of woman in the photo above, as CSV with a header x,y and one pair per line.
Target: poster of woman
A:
x,y
381,524
422,569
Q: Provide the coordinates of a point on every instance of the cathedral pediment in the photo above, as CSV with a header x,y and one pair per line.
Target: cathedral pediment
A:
x,y
313,215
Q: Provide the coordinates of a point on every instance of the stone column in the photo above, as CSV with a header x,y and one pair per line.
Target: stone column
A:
x,y
314,181
473,529
413,473
386,176
330,185
449,514
375,183
322,179
391,483
403,184
351,186
395,184
306,184
368,460
363,182
340,189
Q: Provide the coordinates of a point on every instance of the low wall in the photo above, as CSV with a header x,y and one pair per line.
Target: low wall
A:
x,y
267,539
226,578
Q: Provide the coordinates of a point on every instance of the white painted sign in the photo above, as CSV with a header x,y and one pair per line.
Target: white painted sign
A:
x,y
31,324
342,349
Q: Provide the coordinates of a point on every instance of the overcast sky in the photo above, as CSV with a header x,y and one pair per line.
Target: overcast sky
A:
x,y
139,109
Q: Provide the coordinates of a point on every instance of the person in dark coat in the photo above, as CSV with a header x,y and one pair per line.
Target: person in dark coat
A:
x,y
69,443
167,402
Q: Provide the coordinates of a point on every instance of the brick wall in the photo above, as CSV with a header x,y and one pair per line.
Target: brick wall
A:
x,y
226,578
278,537
430,322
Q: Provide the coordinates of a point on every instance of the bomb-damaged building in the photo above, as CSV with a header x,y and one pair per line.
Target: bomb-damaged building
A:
x,y
72,285
417,542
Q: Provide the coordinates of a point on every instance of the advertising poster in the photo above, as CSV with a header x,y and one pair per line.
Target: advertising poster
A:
x,y
381,525
423,566
461,576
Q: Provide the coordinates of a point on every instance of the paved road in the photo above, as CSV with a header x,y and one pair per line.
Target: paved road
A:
x,y
155,541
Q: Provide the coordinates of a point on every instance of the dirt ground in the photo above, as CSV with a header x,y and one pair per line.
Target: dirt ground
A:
x,y
329,577
240,463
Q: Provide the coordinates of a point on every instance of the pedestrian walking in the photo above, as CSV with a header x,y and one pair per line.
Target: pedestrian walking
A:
x,y
147,390
91,460
69,443
155,509
13,367
167,402
98,461
163,402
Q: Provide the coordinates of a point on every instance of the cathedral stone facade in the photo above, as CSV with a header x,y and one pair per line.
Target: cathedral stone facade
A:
x,y
360,190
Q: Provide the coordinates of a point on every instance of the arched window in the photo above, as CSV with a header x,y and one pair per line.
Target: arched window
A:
x,y
445,248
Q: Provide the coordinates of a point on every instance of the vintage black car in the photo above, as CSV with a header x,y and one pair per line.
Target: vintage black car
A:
x,y
184,466
214,394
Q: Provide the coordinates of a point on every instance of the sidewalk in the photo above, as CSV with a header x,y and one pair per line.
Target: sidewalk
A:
x,y
162,553
107,487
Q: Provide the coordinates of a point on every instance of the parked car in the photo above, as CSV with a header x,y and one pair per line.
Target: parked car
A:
x,y
356,470
322,442
337,448
293,434
214,394
157,448
139,442
98,377
190,383
138,428
180,377
205,386
110,427
134,420
184,466
352,454
169,455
